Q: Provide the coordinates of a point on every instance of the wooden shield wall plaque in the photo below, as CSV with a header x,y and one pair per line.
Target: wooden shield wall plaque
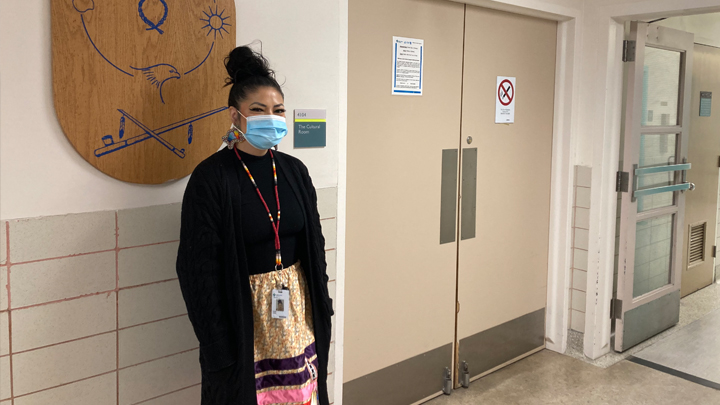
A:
x,y
138,84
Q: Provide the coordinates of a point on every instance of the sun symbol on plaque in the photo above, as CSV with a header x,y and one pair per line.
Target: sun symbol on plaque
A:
x,y
215,22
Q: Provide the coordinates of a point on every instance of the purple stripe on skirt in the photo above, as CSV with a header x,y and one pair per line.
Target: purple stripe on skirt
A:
x,y
292,363
277,380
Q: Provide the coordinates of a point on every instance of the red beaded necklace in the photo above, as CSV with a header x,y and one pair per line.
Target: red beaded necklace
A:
x,y
275,224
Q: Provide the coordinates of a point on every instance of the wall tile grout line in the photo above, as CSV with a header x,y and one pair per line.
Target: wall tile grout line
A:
x,y
156,359
146,284
117,311
107,292
64,384
64,341
93,252
149,322
65,257
108,372
95,293
145,245
165,394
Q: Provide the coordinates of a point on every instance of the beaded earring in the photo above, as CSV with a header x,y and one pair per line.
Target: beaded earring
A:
x,y
233,136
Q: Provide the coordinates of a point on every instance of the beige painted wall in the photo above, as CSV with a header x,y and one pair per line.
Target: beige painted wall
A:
x,y
706,27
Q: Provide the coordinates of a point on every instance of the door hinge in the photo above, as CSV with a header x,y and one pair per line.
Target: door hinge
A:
x,y
447,382
465,375
718,161
714,251
629,51
615,308
622,181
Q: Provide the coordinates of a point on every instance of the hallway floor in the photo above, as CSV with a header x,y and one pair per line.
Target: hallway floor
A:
x,y
552,378
692,308
678,366
693,352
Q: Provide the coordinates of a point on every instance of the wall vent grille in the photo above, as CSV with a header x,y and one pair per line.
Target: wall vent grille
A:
x,y
696,246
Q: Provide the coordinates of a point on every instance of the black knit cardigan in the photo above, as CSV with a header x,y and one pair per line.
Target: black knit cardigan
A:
x,y
214,279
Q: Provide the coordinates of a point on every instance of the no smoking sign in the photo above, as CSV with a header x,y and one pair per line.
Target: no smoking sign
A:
x,y
505,100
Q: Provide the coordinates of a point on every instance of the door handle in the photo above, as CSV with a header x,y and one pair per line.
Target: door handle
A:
x,y
681,186
448,195
468,201
684,178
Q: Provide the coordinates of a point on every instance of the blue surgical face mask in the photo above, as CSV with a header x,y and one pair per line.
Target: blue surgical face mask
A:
x,y
265,131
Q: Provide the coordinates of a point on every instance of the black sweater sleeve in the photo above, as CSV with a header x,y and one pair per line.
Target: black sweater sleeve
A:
x,y
199,268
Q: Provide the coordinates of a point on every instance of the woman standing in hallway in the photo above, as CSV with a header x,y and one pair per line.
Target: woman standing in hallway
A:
x,y
255,286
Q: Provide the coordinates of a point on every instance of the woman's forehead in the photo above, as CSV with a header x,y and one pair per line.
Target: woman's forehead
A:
x,y
262,94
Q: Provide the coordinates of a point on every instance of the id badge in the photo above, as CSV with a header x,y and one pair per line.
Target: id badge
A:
x,y
280,304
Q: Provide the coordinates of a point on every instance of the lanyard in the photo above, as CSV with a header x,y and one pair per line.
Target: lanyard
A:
x,y
275,225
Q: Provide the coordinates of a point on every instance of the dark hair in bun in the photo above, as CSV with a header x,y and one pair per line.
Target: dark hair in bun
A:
x,y
248,71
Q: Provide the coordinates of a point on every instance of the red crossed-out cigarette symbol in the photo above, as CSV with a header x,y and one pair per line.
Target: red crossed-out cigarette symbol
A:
x,y
506,92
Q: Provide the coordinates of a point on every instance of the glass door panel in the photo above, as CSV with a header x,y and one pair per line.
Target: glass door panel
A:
x,y
661,84
653,254
656,150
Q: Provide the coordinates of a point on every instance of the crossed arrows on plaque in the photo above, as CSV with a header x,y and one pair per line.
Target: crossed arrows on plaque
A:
x,y
112,146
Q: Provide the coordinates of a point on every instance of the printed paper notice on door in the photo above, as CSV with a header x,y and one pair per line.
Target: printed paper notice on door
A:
x,y
407,74
505,100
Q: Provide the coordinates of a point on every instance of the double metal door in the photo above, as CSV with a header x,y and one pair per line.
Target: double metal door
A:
x,y
447,241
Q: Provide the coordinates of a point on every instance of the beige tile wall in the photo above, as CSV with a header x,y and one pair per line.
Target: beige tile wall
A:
x,y
581,223
91,310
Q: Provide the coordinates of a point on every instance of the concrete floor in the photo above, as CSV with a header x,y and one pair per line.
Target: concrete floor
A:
x,y
552,378
693,351
693,307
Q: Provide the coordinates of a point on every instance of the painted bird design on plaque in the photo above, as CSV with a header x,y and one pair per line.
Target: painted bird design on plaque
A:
x,y
157,75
